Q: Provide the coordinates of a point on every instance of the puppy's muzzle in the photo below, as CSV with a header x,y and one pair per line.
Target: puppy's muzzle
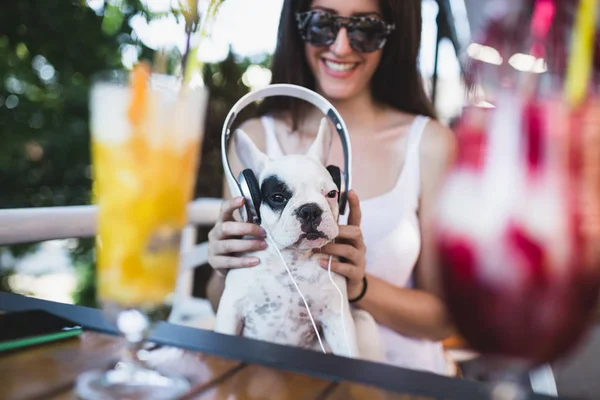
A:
x,y
309,216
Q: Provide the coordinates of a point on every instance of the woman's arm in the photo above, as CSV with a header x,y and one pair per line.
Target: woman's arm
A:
x,y
410,312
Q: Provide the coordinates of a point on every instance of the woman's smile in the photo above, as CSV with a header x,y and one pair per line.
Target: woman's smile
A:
x,y
338,69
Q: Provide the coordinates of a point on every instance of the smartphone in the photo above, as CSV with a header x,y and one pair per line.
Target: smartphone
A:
x,y
32,327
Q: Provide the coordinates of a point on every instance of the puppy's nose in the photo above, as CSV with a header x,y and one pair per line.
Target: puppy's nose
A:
x,y
309,212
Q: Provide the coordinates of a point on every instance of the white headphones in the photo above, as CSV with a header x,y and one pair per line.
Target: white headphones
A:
x,y
247,184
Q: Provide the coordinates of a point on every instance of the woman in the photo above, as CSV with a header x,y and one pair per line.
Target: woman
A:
x,y
368,70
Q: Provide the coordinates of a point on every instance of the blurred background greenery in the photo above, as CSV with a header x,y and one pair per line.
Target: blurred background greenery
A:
x,y
49,50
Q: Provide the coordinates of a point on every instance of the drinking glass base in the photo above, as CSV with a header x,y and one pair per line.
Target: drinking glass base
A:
x,y
130,384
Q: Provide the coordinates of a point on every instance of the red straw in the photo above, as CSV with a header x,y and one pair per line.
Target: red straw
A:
x,y
541,20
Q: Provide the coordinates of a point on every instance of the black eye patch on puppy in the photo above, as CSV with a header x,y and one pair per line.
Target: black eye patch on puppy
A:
x,y
275,193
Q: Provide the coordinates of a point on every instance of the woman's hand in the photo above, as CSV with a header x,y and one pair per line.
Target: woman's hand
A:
x,y
350,248
225,239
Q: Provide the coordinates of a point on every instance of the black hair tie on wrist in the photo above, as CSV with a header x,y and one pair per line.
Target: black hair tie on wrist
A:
x,y
362,293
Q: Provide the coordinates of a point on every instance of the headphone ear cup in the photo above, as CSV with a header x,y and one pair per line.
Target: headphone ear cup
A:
x,y
338,179
254,193
343,193
336,175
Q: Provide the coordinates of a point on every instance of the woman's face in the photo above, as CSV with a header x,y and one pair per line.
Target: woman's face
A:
x,y
342,73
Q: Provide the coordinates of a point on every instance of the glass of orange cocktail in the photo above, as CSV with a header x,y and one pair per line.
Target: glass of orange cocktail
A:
x,y
146,135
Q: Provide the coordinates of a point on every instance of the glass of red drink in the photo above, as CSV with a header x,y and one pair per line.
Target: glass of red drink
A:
x,y
518,220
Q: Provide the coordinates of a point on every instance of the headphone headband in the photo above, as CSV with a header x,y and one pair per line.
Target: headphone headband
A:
x,y
299,92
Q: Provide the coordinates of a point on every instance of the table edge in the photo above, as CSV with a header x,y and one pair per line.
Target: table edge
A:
x,y
250,351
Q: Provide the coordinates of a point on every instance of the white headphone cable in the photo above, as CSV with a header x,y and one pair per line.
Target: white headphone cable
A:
x,y
341,303
298,289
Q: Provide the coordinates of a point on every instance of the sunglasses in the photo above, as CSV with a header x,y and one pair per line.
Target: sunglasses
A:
x,y
320,28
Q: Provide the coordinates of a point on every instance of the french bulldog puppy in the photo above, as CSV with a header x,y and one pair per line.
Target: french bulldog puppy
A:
x,y
299,211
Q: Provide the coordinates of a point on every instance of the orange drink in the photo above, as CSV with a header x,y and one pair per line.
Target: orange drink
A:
x,y
146,140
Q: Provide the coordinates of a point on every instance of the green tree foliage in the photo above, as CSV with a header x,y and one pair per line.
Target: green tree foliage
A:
x,y
49,52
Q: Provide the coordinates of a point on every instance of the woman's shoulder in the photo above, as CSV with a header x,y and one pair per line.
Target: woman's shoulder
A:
x,y
257,128
254,128
438,150
438,142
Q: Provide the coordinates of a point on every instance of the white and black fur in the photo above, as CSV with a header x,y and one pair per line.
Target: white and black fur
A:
x,y
299,210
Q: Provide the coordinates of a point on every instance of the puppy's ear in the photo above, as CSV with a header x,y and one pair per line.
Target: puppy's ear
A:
x,y
320,147
250,156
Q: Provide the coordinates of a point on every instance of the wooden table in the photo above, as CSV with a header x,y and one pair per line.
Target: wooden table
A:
x,y
219,366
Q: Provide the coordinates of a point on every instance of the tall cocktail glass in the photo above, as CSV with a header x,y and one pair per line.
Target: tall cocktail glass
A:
x,y
146,135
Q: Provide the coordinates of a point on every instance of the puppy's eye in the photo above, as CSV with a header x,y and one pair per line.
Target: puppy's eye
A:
x,y
277,199
332,194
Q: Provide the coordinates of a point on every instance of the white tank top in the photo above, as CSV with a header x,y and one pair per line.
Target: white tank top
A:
x,y
391,233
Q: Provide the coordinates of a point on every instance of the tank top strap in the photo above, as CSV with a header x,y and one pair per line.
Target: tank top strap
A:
x,y
273,148
412,162
415,134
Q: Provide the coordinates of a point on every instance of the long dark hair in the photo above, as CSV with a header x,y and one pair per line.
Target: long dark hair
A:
x,y
396,82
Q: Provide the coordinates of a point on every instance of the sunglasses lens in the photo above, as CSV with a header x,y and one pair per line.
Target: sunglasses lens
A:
x,y
367,36
321,30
